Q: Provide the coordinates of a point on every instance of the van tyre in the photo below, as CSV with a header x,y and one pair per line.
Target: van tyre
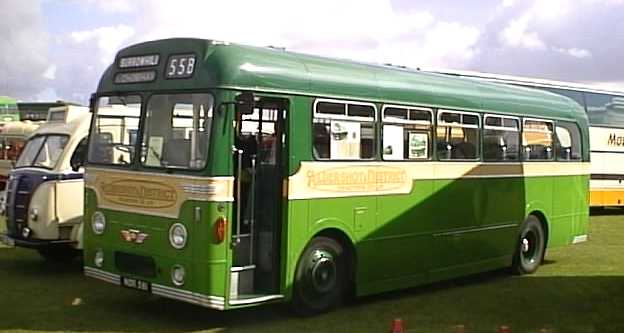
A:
x,y
321,277
530,247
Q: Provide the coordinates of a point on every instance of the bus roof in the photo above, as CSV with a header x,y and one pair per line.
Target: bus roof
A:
x,y
76,120
242,67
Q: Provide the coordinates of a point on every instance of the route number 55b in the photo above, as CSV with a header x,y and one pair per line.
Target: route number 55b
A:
x,y
180,66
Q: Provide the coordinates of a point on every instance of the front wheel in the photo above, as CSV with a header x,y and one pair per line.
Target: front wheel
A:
x,y
321,276
530,248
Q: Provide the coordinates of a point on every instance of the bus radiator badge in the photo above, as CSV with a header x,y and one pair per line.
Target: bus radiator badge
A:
x,y
133,236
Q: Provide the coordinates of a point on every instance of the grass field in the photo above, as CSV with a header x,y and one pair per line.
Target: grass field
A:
x,y
579,289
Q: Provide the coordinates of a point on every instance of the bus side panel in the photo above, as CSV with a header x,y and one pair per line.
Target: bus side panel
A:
x,y
539,197
503,214
395,252
569,209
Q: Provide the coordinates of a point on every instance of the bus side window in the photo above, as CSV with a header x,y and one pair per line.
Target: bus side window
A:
x,y
457,135
537,140
568,143
406,133
501,138
78,157
343,130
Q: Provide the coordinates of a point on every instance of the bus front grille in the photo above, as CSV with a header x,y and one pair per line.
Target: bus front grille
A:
x,y
18,197
135,264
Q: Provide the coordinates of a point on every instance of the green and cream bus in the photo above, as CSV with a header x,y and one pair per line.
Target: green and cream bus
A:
x,y
605,110
257,175
44,201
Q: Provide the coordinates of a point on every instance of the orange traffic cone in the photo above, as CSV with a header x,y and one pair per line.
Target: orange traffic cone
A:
x,y
504,329
397,326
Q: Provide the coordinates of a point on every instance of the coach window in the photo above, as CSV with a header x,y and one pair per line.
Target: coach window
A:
x,y
568,143
501,138
457,135
537,139
343,130
406,133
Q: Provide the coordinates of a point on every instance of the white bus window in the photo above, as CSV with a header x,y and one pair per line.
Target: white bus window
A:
x,y
603,109
568,142
112,139
177,131
43,151
537,140
406,133
457,135
501,139
343,130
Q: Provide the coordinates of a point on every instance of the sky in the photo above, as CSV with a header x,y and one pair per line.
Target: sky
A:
x,y
55,49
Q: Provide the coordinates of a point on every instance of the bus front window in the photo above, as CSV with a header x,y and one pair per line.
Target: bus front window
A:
x,y
42,151
177,131
114,133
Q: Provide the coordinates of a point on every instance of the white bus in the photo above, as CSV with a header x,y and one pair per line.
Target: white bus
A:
x,y
605,110
44,201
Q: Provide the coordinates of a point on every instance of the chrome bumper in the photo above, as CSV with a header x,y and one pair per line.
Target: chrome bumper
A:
x,y
214,302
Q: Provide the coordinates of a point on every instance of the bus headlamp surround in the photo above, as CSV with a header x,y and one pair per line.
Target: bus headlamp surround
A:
x,y
98,223
178,236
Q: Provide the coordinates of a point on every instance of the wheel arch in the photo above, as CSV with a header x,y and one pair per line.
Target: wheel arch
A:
x,y
347,243
541,217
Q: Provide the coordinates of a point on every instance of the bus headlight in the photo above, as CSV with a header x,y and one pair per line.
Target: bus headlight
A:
x,y
177,236
98,260
34,214
177,275
98,223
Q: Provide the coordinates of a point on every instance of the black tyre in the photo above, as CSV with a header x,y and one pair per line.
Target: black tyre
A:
x,y
530,247
59,254
321,276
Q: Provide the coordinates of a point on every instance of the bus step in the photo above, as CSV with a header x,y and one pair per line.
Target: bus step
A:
x,y
242,268
241,280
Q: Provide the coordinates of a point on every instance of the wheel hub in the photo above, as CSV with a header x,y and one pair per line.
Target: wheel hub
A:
x,y
323,271
525,245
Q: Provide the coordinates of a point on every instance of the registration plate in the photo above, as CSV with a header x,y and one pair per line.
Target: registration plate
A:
x,y
135,284
7,240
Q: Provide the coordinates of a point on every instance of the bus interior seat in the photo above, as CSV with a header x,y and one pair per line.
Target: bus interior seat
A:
x,y
177,152
321,140
465,150
493,148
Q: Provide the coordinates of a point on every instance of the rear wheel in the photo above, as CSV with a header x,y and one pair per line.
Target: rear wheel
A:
x,y
530,248
59,254
321,276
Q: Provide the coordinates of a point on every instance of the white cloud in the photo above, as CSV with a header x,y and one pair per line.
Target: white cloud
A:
x,y
550,9
516,34
107,39
370,31
24,56
50,73
575,52
46,95
114,6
